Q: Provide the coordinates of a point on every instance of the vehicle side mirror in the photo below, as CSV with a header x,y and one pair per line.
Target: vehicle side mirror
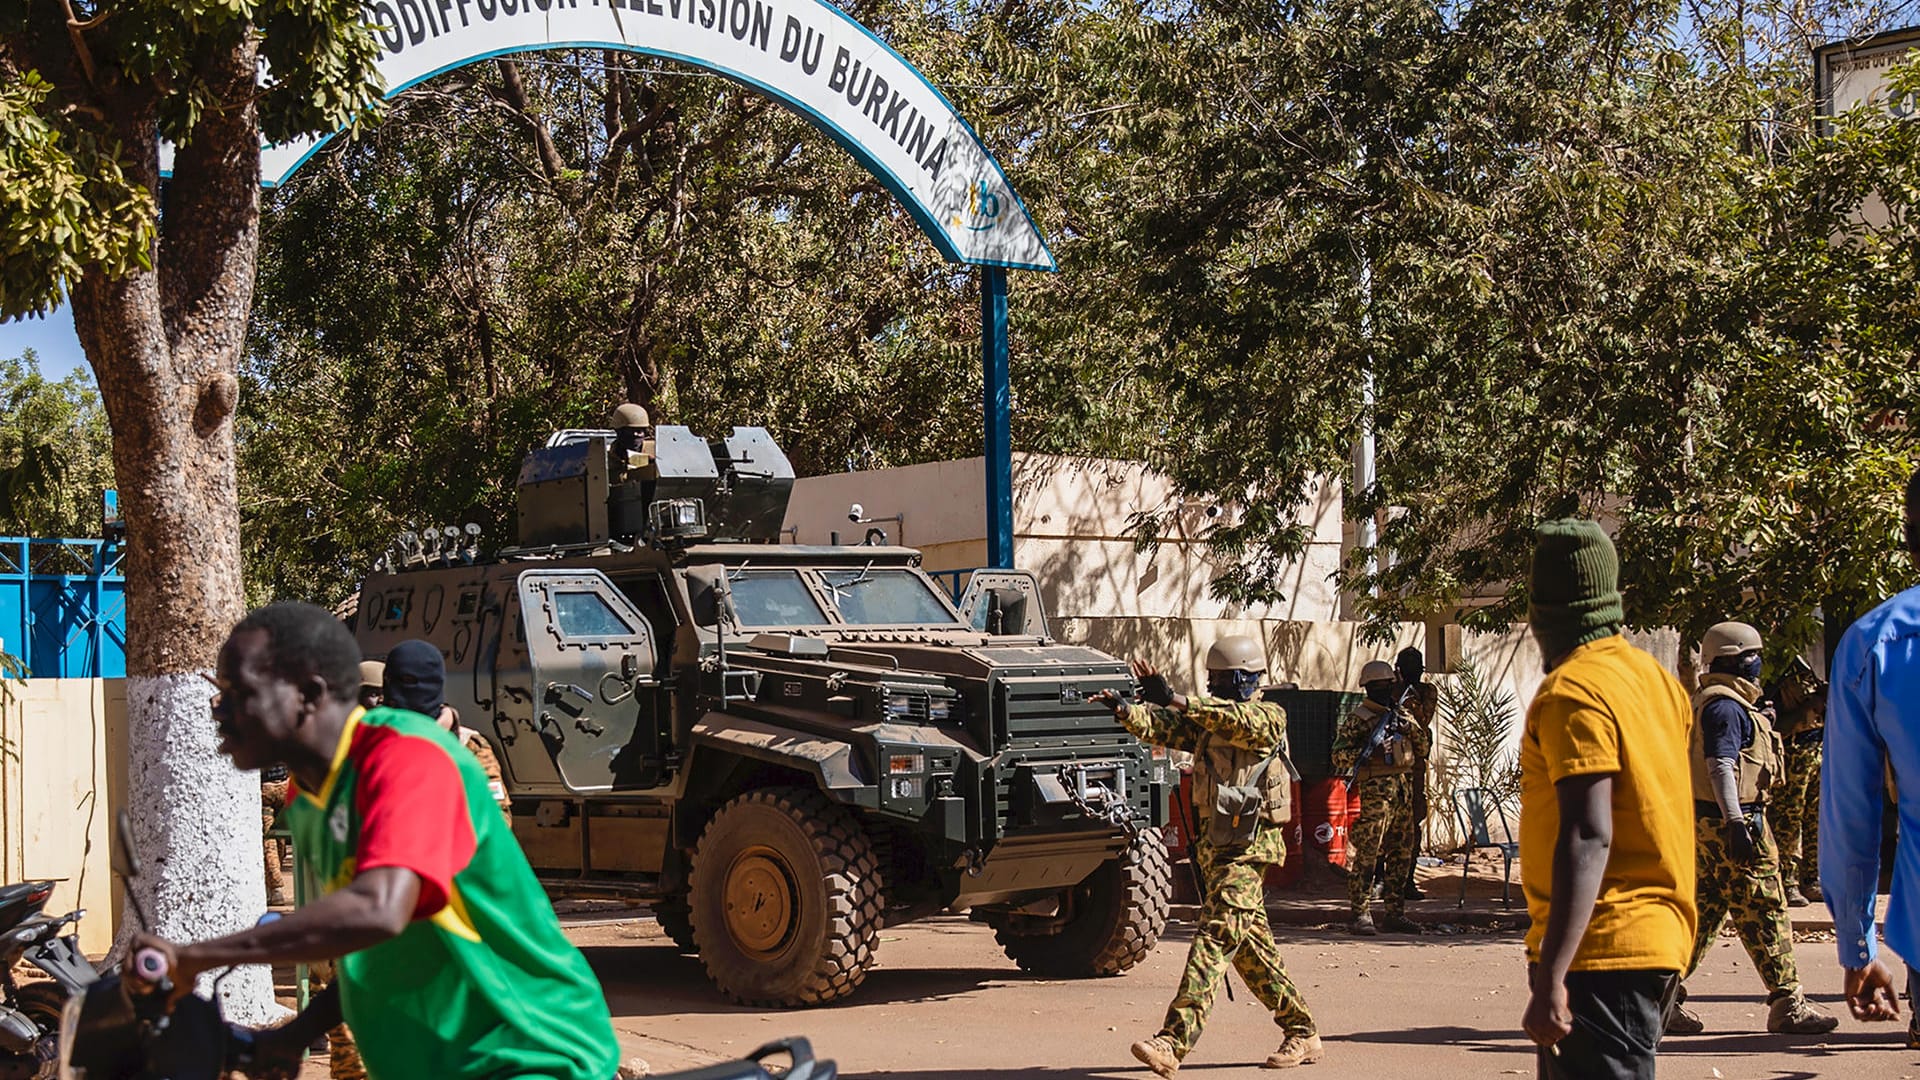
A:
x,y
708,595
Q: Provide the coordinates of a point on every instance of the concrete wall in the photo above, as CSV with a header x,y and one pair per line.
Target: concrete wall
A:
x,y
64,758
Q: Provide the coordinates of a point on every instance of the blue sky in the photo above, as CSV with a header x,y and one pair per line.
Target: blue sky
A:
x,y
51,337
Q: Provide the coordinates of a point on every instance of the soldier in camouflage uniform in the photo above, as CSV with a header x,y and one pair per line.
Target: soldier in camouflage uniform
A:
x,y
1383,784
1224,731
1796,801
1736,755
273,799
1423,705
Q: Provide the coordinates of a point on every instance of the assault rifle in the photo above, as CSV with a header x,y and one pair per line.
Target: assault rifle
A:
x,y
1379,737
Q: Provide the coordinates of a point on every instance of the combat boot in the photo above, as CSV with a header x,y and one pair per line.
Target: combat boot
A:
x,y
1412,892
1399,924
1157,1054
1793,1014
1363,926
1296,1050
1794,898
1811,890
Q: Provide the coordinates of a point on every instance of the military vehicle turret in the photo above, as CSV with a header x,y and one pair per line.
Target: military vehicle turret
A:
x,y
782,748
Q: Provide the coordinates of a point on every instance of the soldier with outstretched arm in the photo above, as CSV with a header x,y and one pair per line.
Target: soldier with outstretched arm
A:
x,y
1238,744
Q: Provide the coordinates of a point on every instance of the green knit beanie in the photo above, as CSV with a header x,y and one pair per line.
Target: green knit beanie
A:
x,y
1573,596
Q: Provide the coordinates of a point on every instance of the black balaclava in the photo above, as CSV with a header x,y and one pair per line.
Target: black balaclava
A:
x,y
1748,667
416,678
1233,685
1382,692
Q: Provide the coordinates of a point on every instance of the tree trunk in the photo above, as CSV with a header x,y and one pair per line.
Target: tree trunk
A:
x,y
165,345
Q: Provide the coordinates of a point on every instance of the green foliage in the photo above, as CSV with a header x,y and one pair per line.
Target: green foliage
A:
x,y
1479,719
82,109
438,295
1585,259
1583,277
65,204
55,454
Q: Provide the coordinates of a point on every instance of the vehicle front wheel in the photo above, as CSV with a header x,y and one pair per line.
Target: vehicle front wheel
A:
x,y
1117,915
675,916
786,903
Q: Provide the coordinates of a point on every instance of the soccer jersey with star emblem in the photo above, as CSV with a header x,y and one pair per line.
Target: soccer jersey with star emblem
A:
x,y
482,984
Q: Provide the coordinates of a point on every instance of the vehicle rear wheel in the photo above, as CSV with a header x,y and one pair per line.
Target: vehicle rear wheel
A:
x,y
786,904
1118,914
675,916
43,1002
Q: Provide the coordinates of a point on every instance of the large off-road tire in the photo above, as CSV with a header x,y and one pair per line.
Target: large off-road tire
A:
x,y
786,899
1118,914
675,916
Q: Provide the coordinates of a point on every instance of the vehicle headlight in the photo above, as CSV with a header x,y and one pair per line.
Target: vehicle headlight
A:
x,y
944,710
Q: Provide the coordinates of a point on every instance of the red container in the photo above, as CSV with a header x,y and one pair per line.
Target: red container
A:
x,y
1284,875
1327,816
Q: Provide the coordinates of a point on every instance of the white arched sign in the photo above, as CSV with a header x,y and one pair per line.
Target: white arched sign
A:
x,y
807,54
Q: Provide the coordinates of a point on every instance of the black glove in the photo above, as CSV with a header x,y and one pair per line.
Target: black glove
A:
x,y
1743,840
1155,691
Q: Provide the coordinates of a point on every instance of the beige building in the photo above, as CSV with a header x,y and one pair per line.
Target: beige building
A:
x,y
1072,519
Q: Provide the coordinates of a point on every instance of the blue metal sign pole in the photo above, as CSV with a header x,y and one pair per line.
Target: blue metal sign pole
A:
x,y
998,416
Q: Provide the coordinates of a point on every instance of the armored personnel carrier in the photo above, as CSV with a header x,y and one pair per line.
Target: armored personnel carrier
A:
x,y
782,748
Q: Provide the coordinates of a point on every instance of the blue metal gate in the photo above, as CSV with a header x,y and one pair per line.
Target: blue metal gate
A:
x,y
63,607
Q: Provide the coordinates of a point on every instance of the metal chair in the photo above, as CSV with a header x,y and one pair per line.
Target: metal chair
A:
x,y
1472,806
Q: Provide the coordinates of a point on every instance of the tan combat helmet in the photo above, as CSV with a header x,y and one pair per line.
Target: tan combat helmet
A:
x,y
373,674
1236,653
630,416
1377,671
1728,639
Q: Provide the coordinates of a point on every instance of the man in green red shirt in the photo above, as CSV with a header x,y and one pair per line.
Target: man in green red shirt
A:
x,y
452,964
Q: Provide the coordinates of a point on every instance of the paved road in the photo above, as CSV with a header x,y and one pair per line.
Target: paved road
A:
x,y
943,1003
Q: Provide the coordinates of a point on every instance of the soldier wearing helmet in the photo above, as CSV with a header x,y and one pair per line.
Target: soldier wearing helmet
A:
x,y
1239,745
1379,746
1736,757
631,456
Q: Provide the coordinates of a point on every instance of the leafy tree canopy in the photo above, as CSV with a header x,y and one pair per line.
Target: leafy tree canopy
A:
x,y
55,454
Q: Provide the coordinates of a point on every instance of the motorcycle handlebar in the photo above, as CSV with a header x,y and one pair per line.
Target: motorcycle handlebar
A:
x,y
150,964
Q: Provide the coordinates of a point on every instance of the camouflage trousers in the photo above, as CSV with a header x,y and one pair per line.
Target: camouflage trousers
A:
x,y
1755,899
1233,932
343,1055
1385,828
273,797
1796,810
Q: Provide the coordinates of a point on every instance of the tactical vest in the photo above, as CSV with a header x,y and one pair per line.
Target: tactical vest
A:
x,y
1759,761
1220,766
1396,754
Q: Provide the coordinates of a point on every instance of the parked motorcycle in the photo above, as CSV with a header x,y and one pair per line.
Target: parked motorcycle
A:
x,y
30,1012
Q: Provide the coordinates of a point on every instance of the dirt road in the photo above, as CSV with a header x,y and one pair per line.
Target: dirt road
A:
x,y
944,1004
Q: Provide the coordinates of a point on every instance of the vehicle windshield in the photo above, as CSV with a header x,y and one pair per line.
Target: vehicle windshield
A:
x,y
774,598
886,598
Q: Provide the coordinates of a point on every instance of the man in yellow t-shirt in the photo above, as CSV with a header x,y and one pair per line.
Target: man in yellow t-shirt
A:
x,y
1606,822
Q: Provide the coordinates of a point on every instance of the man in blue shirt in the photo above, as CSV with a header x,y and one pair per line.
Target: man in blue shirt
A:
x,y
1873,730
